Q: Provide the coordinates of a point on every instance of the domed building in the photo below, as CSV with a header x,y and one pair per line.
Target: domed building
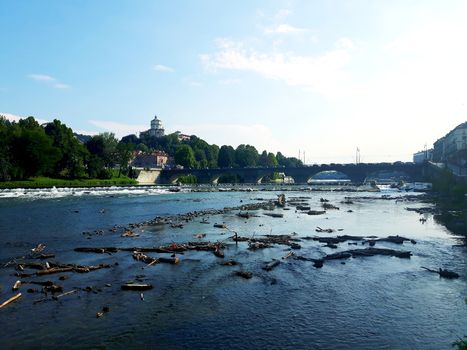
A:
x,y
156,129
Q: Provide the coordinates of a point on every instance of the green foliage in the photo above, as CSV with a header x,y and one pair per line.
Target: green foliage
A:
x,y
246,156
274,177
185,156
226,157
291,162
124,154
187,179
450,198
461,343
72,153
32,150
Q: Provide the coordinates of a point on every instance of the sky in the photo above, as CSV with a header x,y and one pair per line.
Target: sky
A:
x,y
315,78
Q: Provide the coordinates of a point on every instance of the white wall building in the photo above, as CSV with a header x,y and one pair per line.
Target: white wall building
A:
x,y
157,129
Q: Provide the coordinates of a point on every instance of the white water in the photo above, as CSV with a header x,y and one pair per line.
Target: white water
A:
x,y
31,193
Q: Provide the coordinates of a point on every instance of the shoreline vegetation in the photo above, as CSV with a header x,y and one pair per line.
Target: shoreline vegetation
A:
x,y
450,196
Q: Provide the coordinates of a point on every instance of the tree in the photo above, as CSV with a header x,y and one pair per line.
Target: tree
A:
x,y
201,159
6,168
185,156
226,157
288,162
33,152
104,146
263,159
246,156
72,152
124,154
272,161
130,139
212,155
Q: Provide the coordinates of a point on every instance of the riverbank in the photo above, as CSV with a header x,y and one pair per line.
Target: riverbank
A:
x,y
47,182
450,197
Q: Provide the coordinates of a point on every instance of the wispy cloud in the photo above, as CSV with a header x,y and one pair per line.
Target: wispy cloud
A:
x,y
162,68
16,118
324,73
119,129
284,29
49,80
41,77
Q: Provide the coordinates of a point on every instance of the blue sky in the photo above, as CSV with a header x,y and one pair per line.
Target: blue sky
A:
x,y
324,77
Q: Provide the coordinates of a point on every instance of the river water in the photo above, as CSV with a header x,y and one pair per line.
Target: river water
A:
x,y
375,302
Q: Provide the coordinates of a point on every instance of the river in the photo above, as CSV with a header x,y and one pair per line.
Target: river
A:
x,y
377,302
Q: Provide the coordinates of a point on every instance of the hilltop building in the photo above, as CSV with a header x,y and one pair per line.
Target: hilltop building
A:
x,y
182,137
156,130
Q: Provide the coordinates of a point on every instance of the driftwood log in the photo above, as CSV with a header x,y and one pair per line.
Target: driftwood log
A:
x,y
316,212
269,266
9,301
368,252
140,256
443,273
136,286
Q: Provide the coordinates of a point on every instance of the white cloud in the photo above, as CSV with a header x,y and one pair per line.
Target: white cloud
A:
x,y
119,129
16,118
49,80
162,68
323,73
284,29
85,132
41,77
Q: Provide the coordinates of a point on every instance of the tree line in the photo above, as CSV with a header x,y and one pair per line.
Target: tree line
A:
x,y
28,149
197,153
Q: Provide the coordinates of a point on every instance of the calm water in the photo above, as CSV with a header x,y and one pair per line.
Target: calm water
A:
x,y
368,303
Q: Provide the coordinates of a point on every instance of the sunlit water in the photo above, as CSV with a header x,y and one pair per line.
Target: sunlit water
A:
x,y
368,303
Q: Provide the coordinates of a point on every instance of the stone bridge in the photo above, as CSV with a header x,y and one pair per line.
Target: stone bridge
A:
x,y
356,173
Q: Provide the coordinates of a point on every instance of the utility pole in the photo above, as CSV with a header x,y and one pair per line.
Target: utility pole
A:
x,y
304,158
299,154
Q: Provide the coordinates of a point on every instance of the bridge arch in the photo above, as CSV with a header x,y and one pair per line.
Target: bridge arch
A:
x,y
226,177
328,176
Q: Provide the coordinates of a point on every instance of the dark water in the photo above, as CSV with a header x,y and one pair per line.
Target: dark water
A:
x,y
368,303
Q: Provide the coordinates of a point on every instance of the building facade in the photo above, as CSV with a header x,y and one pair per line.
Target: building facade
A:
x,y
157,129
423,156
155,159
452,144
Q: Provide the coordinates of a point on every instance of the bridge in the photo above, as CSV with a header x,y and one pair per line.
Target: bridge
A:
x,y
356,173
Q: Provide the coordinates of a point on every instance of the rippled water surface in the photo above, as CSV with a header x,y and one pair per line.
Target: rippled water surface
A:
x,y
367,303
